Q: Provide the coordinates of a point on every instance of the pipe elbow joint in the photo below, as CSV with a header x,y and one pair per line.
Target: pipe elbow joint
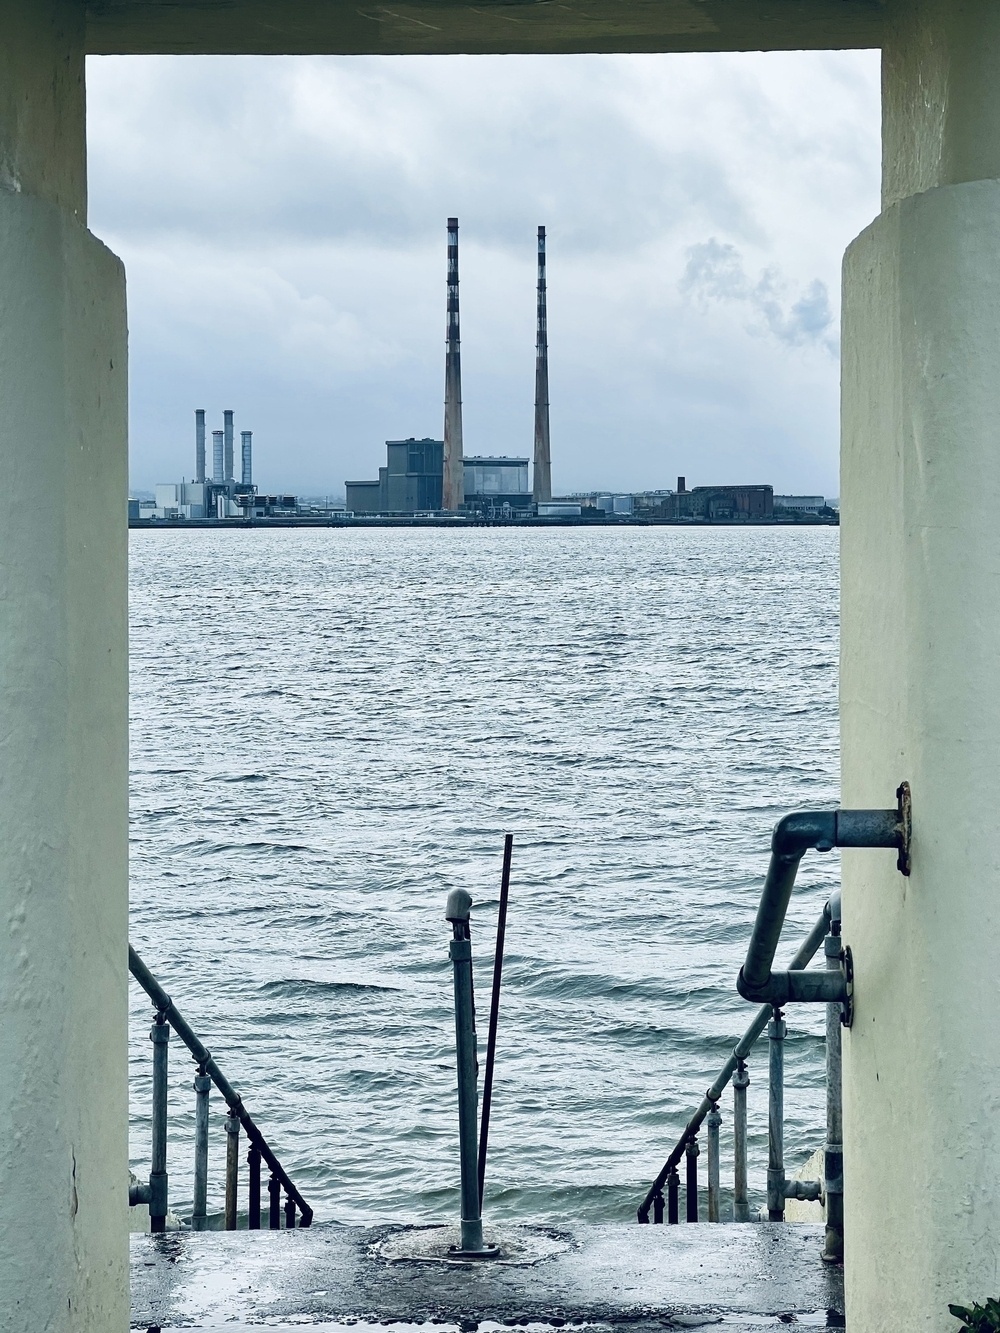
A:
x,y
796,833
774,990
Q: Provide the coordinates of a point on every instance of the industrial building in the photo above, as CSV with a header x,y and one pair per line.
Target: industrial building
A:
x,y
801,504
221,495
497,486
411,482
718,504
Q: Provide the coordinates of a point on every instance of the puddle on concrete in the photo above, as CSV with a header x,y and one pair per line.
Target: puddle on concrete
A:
x,y
520,1247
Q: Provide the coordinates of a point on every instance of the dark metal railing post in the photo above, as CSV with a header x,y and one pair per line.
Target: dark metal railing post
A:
x,y
741,1203
776,1031
673,1198
207,1066
691,1183
199,1214
274,1203
833,1171
159,1035
712,1123
658,1209
232,1168
290,1213
253,1200
458,911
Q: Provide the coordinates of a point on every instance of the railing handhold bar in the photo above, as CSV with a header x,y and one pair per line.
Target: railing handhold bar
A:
x,y
204,1059
807,950
793,836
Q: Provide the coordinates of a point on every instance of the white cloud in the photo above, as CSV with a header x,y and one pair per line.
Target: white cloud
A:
x,y
282,222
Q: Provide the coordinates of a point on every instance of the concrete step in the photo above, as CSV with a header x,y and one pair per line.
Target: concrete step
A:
x,y
737,1278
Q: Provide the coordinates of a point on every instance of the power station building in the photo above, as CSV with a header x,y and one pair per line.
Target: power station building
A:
x,y
412,482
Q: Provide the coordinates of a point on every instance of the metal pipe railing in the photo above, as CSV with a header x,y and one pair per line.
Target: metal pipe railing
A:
x,y
712,1124
159,1035
691,1151
253,1200
741,1201
232,1169
202,1089
833,1157
207,1067
776,1032
457,912
805,953
793,836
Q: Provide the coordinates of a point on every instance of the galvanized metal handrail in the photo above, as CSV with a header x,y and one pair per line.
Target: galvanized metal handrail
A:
x,y
807,950
793,836
168,1013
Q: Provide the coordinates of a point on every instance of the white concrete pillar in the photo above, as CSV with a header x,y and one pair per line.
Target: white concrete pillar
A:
x,y
920,681
63,702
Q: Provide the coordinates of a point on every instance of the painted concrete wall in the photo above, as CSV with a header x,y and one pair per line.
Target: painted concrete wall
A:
x,y
920,679
920,689
63,775
63,703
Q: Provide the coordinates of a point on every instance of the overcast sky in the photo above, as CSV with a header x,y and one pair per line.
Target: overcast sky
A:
x,y
282,221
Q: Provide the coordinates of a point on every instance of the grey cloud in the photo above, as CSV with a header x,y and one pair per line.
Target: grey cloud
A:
x,y
715,271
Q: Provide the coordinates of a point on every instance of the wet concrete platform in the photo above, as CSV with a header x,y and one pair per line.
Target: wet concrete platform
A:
x,y
736,1278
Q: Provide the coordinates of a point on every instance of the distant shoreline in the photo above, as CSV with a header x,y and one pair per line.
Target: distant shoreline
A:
x,y
412,521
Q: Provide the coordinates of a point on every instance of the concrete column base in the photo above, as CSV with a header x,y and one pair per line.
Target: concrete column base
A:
x,y
63,775
920,700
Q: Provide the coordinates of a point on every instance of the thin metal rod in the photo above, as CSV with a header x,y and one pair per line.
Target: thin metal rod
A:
x,y
744,1046
691,1180
289,1213
253,1202
202,1088
232,1168
460,952
833,1170
491,1041
658,1210
741,1203
204,1059
274,1203
159,1035
776,1031
673,1198
712,1123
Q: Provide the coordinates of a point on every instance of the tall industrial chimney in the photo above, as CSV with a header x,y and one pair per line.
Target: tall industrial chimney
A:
x,y
246,456
453,481
218,456
227,423
541,488
199,444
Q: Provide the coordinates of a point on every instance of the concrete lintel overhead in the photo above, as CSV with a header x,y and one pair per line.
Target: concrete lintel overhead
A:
x,y
414,27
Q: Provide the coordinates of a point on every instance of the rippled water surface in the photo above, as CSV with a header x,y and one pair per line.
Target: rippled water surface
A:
x,y
331,729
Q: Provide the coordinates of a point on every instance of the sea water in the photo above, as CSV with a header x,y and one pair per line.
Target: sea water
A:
x,y
330,729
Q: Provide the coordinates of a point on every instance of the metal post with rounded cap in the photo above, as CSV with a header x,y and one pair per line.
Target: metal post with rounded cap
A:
x,y
202,1088
457,911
